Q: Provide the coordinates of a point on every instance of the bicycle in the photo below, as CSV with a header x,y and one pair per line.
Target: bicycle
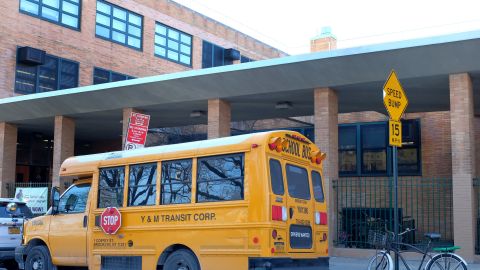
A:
x,y
444,258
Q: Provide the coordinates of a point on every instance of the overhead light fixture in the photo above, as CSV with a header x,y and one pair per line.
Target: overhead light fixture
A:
x,y
195,114
283,105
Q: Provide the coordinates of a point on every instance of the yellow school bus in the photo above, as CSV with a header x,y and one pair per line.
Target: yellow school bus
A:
x,y
252,201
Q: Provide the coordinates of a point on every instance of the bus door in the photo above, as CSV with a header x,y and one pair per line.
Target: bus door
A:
x,y
300,209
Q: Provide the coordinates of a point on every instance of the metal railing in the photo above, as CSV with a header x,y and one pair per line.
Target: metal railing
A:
x,y
476,190
364,204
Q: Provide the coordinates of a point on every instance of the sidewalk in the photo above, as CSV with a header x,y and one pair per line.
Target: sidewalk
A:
x,y
342,263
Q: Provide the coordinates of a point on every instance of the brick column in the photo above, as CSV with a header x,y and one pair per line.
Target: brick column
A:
x,y
463,163
8,156
63,145
126,118
326,138
219,117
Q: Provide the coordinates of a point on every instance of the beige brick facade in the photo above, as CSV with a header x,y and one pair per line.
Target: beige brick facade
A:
x,y
463,162
19,29
63,145
219,118
8,154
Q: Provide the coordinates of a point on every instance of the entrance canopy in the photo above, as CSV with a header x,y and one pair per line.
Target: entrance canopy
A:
x,y
253,89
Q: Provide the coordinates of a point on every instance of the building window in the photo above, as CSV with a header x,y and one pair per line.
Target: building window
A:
x,y
213,56
119,25
105,76
63,12
244,59
55,74
366,144
173,44
220,178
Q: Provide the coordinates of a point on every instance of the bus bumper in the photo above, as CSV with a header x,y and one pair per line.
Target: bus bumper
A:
x,y
288,263
19,255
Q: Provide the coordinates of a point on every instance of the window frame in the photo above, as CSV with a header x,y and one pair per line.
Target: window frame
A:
x,y
307,173
389,170
59,10
110,73
363,149
275,160
127,23
37,76
197,178
155,183
124,189
179,41
160,184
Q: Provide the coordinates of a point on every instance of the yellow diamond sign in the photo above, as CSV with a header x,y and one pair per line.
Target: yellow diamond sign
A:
x,y
394,97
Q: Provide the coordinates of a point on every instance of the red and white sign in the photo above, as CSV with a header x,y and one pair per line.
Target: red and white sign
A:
x,y
137,131
111,220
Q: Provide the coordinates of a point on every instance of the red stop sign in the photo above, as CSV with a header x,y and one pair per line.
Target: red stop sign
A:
x,y
110,220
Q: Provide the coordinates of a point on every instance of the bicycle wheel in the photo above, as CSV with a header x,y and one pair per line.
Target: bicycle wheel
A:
x,y
446,261
380,261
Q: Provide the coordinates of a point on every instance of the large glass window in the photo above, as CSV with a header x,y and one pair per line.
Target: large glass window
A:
x,y
213,55
276,176
220,178
142,184
119,25
110,187
74,200
173,44
176,181
366,144
105,76
347,149
374,152
55,74
297,179
63,12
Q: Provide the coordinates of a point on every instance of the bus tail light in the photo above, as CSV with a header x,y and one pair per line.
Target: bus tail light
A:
x,y
274,234
279,213
323,218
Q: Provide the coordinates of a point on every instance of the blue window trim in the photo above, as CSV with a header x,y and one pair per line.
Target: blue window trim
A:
x,y
179,42
110,72
59,10
389,169
37,79
126,33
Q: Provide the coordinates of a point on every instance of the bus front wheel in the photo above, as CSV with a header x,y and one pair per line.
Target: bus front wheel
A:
x,y
38,258
181,259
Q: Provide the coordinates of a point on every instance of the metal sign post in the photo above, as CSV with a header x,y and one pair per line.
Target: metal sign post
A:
x,y
395,102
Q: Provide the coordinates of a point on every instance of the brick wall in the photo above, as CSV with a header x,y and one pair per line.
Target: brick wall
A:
x,y
18,29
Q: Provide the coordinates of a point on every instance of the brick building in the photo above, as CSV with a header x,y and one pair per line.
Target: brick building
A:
x,y
187,75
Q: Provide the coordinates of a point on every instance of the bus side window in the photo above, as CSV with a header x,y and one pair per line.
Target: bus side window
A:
x,y
317,186
74,200
220,178
176,184
142,184
276,176
110,187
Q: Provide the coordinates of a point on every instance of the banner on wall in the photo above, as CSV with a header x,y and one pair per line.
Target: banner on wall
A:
x,y
36,198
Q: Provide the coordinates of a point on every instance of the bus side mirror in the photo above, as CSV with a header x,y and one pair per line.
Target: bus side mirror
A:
x,y
54,200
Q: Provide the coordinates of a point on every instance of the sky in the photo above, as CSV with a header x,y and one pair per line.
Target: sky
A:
x,y
290,25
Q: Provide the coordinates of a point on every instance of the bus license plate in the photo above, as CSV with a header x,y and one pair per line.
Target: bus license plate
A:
x,y
13,230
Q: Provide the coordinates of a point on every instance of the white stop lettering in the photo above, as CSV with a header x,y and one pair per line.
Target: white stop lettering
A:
x,y
110,220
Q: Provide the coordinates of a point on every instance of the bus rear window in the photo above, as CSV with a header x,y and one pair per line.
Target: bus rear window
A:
x,y
297,179
276,177
317,186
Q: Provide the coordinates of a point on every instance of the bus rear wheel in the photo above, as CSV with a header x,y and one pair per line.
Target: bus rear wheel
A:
x,y
181,259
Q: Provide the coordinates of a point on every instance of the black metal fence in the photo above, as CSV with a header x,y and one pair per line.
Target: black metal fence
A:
x,y
364,204
476,189
12,187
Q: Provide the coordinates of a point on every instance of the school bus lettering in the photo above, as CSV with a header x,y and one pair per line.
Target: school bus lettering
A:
x,y
228,203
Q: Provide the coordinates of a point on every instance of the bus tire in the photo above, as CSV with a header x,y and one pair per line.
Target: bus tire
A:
x,y
181,259
38,258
